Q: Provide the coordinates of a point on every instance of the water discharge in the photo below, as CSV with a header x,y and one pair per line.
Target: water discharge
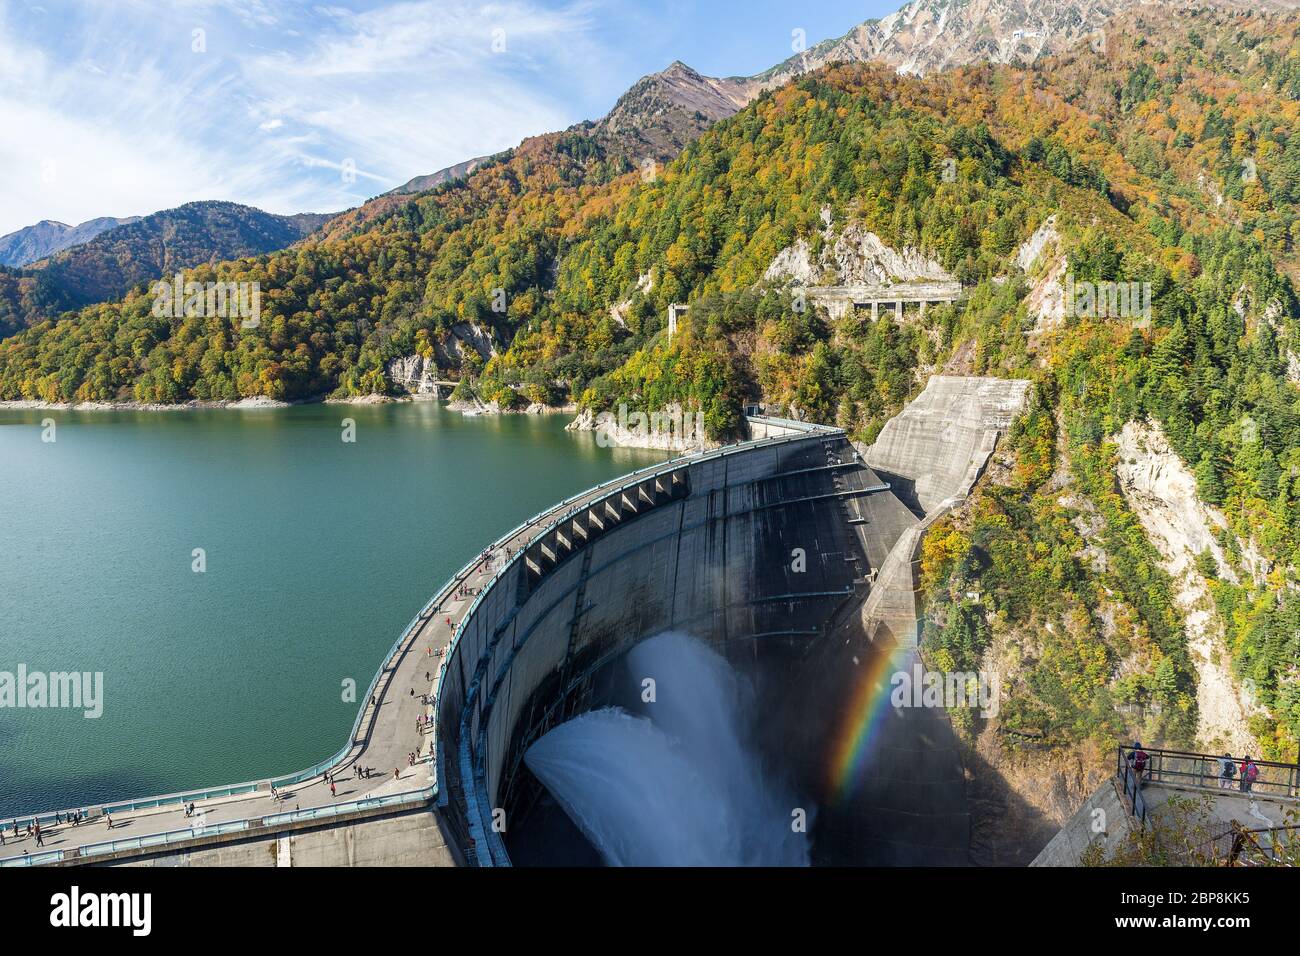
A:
x,y
679,782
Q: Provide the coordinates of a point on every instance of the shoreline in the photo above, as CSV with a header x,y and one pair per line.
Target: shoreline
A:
x,y
583,422
25,404
261,402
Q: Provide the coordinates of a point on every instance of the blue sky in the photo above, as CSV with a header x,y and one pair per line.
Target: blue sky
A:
x,y
124,107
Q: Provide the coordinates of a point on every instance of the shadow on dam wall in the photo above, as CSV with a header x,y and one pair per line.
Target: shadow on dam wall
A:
x,y
888,782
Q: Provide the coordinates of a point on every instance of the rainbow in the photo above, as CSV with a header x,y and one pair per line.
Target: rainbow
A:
x,y
853,734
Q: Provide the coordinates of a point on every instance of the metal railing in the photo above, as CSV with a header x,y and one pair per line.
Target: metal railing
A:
x,y
199,831
1204,771
1261,846
1133,794
34,859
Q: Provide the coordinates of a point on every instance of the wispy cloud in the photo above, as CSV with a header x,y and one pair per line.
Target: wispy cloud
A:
x,y
123,109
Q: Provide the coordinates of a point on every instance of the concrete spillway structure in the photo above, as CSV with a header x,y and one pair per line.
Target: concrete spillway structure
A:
x,y
707,545
710,545
931,455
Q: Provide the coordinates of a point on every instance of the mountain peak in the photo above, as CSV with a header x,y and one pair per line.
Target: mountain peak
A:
x,y
663,111
924,36
45,238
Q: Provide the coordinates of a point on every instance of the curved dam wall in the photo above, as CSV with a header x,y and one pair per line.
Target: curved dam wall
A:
x,y
706,545
712,545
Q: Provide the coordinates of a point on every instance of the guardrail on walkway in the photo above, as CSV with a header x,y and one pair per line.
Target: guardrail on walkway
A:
x,y
1133,794
1204,771
249,825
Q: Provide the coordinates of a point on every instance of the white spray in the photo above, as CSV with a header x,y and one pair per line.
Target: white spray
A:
x,y
680,785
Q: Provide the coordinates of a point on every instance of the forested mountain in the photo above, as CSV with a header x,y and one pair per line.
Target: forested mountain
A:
x,y
113,261
47,237
649,125
1170,157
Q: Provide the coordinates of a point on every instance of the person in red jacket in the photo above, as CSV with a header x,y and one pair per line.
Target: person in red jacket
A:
x,y
1249,771
1137,759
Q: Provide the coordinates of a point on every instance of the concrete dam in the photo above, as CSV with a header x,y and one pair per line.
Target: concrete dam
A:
x,y
793,558
768,590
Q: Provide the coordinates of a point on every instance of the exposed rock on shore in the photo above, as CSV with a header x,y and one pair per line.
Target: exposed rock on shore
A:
x,y
669,430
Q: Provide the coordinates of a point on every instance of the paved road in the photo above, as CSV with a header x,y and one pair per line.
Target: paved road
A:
x,y
386,738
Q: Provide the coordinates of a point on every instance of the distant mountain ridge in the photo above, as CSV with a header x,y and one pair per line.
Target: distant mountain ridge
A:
x,y
115,260
419,184
662,112
928,35
655,119
45,238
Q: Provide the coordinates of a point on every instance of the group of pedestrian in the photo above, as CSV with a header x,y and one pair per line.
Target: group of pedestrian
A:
x,y
1246,774
34,830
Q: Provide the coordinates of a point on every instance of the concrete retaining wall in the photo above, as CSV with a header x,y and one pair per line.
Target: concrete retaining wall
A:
x,y
1103,819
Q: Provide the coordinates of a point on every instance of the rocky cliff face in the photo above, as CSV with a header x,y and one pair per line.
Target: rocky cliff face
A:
x,y
464,335
1162,493
414,373
1043,262
929,35
851,255
669,430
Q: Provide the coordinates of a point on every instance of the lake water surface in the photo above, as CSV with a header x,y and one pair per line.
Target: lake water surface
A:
x,y
317,554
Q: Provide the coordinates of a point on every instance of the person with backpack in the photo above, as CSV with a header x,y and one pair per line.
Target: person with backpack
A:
x,y
1249,771
1227,770
1137,759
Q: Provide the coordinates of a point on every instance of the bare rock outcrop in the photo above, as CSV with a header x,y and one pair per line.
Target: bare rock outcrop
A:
x,y
464,335
669,430
1043,261
414,373
852,255
1162,493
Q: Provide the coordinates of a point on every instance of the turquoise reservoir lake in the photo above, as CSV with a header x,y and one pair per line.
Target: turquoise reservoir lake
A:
x,y
317,554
